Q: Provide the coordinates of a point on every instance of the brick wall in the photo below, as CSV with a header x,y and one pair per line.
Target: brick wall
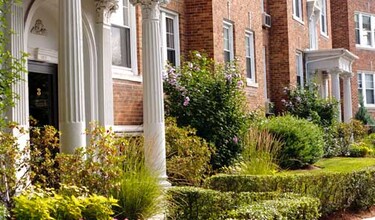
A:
x,y
127,97
245,17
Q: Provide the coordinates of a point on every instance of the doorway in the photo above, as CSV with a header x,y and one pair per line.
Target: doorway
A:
x,y
43,96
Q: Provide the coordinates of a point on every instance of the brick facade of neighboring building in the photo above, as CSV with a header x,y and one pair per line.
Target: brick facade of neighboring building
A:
x,y
275,48
344,36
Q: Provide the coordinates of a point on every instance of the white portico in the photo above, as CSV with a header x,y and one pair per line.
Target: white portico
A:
x,y
329,66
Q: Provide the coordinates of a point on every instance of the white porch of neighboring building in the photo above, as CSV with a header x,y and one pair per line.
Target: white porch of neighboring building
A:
x,y
331,65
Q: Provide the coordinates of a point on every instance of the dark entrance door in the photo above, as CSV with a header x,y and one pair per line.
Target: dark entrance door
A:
x,y
43,103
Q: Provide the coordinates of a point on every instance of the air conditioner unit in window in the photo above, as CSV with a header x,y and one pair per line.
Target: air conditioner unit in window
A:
x,y
266,20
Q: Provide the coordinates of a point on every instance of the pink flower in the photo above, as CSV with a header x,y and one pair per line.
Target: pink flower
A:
x,y
235,139
186,101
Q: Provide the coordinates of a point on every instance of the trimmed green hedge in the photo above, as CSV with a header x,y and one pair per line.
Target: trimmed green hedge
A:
x,y
196,203
336,191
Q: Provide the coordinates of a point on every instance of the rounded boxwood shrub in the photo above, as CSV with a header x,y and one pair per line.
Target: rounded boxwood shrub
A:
x,y
302,140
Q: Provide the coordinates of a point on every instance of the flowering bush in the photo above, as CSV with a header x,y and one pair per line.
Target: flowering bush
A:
x,y
210,98
307,103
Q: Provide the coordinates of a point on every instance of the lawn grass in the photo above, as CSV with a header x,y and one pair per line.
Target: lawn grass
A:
x,y
339,164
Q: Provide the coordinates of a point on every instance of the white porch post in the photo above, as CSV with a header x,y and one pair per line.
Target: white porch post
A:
x,y
71,77
336,90
348,110
104,9
153,103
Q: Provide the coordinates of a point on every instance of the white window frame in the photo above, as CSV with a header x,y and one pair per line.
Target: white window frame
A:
x,y
249,39
229,26
299,72
323,18
298,16
363,74
262,6
175,17
362,39
120,72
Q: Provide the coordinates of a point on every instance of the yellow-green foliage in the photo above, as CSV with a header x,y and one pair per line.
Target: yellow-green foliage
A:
x,y
188,156
360,149
38,204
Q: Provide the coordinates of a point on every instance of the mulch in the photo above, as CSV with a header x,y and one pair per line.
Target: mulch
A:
x,y
352,215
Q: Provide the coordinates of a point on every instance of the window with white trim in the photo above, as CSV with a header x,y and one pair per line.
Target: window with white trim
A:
x,y
250,58
366,87
123,40
364,30
299,69
228,42
323,18
297,9
169,22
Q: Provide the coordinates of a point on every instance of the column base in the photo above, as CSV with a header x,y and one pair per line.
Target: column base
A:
x,y
72,136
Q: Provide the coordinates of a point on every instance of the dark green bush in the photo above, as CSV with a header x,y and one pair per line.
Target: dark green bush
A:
x,y
188,156
308,104
336,191
302,140
210,98
196,203
363,115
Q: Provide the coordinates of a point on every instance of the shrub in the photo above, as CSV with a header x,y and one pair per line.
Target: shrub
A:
x,y
360,149
259,156
210,98
44,205
196,203
308,104
363,115
188,156
302,140
336,191
3,212
346,133
98,167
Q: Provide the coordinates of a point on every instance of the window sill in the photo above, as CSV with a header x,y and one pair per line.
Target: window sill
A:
x,y
251,83
324,35
299,20
361,47
125,74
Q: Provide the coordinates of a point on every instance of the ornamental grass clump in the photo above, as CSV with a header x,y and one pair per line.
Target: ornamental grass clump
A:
x,y
210,98
260,154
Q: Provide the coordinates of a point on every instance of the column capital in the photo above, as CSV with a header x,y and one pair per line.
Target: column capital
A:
x,y
335,71
150,8
104,10
347,75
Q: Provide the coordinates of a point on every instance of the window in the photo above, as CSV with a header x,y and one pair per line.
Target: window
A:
x,y
297,9
123,39
364,30
170,37
299,68
228,42
250,59
323,18
366,88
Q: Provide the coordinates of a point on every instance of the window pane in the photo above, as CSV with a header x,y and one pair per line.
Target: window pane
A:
x,y
226,56
170,33
369,79
126,12
370,96
366,23
171,56
248,50
360,86
226,38
356,20
248,68
298,8
121,54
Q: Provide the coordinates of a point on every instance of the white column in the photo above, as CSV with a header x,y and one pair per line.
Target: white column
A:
x,y
325,85
104,9
153,104
20,112
348,109
71,77
336,90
